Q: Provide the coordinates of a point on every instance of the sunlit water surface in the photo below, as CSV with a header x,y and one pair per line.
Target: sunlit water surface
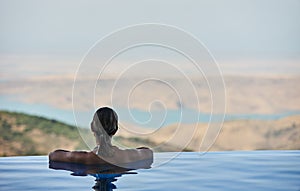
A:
x,y
255,170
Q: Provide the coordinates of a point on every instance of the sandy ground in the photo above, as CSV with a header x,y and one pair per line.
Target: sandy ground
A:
x,y
235,135
247,94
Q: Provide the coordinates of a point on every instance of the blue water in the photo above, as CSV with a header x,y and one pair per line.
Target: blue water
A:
x,y
155,119
251,170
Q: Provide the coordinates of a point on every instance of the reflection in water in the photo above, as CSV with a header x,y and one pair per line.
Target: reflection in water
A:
x,y
104,181
105,174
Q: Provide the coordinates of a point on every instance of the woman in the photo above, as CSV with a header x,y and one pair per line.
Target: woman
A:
x,y
104,126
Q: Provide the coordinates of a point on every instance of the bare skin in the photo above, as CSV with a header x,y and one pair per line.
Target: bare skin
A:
x,y
84,157
119,156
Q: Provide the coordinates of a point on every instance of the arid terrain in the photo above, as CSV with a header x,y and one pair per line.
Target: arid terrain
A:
x,y
279,134
244,94
22,134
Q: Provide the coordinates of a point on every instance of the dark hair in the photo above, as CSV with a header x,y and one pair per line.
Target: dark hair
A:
x,y
108,119
104,129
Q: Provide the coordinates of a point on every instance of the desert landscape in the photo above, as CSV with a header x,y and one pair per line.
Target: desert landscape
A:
x,y
22,134
257,95
269,94
281,134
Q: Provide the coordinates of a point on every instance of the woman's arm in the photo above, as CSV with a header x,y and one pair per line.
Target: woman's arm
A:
x,y
59,156
82,157
121,156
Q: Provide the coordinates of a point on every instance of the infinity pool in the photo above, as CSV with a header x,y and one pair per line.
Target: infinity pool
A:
x,y
255,170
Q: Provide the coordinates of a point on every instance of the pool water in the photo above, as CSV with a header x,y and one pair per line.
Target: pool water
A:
x,y
233,170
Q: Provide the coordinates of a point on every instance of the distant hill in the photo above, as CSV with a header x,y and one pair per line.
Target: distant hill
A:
x,y
281,134
22,134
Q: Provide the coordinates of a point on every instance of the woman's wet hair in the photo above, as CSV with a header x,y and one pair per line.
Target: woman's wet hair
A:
x,y
108,119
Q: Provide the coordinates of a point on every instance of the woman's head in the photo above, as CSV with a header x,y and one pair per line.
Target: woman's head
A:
x,y
104,126
105,119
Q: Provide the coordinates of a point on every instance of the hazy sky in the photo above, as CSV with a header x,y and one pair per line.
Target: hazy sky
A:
x,y
35,32
41,38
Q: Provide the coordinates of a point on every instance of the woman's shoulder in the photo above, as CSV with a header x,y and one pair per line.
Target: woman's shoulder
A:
x,y
132,155
83,157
